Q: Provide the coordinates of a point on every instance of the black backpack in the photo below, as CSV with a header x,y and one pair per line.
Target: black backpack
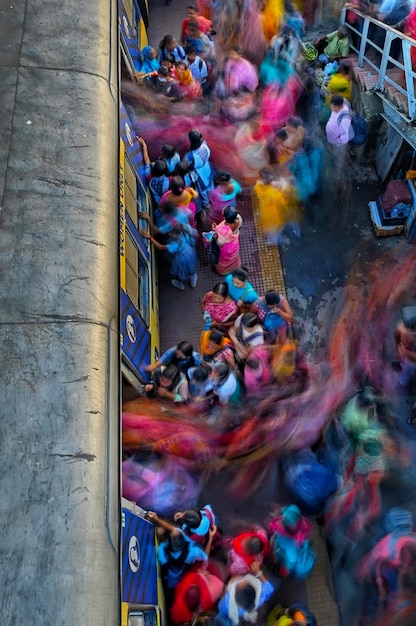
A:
x,y
359,126
213,251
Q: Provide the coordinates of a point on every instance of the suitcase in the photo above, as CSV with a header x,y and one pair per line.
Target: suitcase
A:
x,y
379,229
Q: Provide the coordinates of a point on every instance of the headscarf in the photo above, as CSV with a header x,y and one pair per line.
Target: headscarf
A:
x,y
148,65
248,616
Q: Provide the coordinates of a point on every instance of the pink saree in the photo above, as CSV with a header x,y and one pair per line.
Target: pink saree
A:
x,y
229,245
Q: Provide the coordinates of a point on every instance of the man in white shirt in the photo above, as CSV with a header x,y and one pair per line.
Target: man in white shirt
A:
x,y
339,132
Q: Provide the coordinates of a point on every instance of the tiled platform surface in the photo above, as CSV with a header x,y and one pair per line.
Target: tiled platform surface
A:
x,y
181,318
180,313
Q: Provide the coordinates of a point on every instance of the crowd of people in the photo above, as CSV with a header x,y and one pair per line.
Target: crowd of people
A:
x,y
247,345
229,580
240,100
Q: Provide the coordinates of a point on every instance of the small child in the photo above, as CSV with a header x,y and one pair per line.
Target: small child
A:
x,y
164,84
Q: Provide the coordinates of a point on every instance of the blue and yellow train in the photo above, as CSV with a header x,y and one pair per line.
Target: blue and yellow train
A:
x,y
78,309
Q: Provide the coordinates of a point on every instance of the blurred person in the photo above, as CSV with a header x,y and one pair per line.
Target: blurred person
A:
x,y
271,202
223,195
285,364
293,552
310,7
257,370
197,592
169,216
309,105
297,614
340,83
380,568
236,85
238,74
358,501
307,169
182,197
280,61
199,40
289,521
277,104
405,338
294,19
193,15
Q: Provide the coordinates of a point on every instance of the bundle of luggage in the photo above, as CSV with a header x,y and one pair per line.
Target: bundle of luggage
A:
x,y
395,204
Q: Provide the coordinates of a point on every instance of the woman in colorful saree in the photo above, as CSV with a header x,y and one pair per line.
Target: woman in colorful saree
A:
x,y
220,307
228,232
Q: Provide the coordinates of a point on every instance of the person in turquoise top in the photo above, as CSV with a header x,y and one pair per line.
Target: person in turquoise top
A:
x,y
240,289
149,61
224,194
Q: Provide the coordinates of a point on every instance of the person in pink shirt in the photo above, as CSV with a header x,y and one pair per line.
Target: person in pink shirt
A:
x,y
339,133
192,14
338,128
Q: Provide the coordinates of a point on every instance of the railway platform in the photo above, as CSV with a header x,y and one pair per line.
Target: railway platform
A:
x,y
312,272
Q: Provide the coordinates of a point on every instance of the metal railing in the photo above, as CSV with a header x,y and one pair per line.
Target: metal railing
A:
x,y
379,56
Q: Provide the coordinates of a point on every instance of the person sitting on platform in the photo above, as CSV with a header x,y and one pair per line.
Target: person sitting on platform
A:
x,y
335,45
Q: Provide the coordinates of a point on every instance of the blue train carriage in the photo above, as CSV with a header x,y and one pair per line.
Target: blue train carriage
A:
x,y
141,586
133,23
139,319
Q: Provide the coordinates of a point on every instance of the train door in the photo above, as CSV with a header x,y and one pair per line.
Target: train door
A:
x,y
142,594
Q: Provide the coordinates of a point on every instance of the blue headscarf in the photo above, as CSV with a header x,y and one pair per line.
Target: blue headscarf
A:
x,y
148,65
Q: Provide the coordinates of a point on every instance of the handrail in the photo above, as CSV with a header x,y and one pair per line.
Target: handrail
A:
x,y
382,59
